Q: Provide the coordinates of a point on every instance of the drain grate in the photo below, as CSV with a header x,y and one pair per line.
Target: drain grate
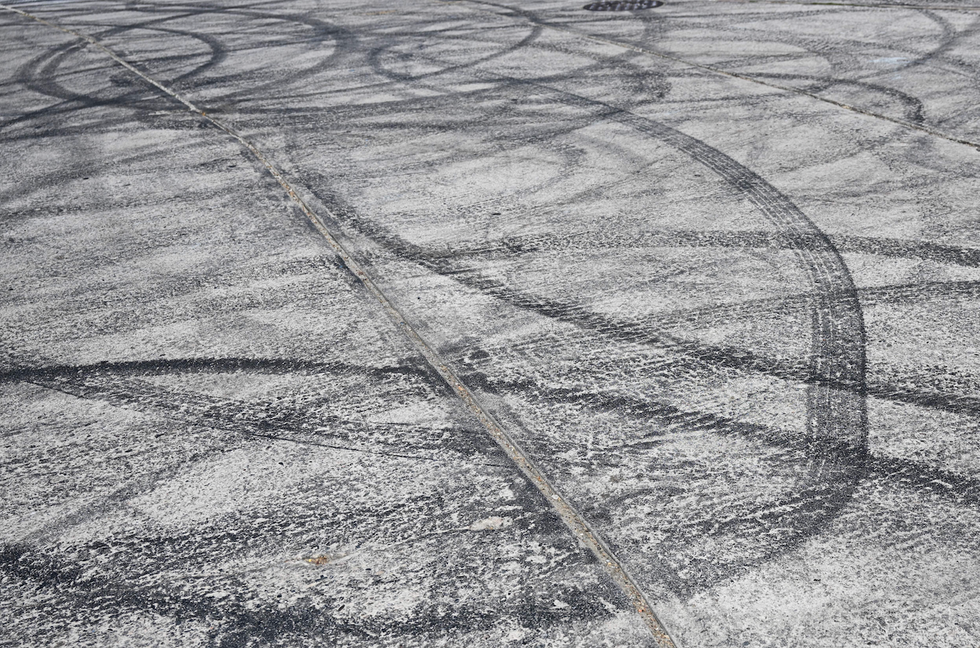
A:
x,y
622,6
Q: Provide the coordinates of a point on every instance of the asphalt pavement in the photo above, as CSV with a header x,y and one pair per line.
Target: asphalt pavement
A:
x,y
465,323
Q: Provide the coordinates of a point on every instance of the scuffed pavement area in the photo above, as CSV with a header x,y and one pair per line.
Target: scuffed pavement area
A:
x,y
683,310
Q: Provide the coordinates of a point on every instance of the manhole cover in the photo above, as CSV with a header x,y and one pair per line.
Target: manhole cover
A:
x,y
622,6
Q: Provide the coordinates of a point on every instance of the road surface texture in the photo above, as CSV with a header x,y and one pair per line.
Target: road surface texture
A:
x,y
488,324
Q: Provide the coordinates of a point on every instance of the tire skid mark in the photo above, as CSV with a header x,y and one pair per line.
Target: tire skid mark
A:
x,y
746,310
86,593
839,331
278,421
57,109
70,585
913,106
115,499
236,624
784,523
828,50
818,48
886,247
100,382
838,339
527,15
693,355
807,507
92,320
216,56
578,526
322,31
869,5
837,343
375,54
845,296
342,38
670,417
718,314
831,481
947,41
531,40
205,365
182,547
691,358
38,74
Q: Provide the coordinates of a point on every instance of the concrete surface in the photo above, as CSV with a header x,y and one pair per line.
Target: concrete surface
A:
x,y
683,309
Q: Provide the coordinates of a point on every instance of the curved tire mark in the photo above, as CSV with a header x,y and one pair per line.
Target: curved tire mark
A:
x,y
577,525
835,417
527,15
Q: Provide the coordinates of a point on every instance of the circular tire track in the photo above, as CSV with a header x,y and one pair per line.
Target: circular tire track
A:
x,y
836,415
39,75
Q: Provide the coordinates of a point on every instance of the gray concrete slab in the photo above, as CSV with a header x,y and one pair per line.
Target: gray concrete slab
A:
x,y
557,327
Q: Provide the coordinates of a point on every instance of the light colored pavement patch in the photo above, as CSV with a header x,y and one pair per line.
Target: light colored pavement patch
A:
x,y
714,266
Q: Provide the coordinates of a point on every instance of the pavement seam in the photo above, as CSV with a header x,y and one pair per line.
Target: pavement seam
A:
x,y
576,523
709,68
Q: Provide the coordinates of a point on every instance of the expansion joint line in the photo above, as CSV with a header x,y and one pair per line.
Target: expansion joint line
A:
x,y
714,70
579,527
